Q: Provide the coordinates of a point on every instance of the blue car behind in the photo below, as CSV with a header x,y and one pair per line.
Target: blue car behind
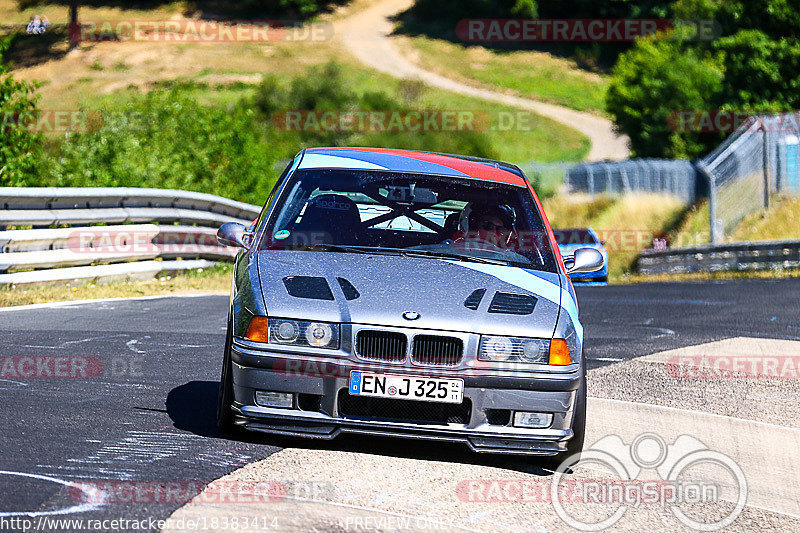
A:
x,y
570,239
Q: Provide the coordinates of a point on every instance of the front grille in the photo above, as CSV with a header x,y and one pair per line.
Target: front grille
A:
x,y
436,350
390,410
381,345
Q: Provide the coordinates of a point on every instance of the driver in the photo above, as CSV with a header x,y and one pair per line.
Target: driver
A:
x,y
489,224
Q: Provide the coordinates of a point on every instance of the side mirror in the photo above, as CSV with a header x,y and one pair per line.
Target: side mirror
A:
x,y
585,260
234,234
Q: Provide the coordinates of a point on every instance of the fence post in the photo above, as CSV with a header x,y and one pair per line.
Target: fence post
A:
x,y
778,166
716,238
626,187
765,164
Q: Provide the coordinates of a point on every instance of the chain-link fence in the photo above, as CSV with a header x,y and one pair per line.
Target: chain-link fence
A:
x,y
677,177
758,159
547,177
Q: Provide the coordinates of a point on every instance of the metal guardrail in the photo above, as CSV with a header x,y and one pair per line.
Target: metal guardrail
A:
x,y
735,256
116,247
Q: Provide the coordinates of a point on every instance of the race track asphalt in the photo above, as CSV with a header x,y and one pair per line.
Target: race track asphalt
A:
x,y
148,413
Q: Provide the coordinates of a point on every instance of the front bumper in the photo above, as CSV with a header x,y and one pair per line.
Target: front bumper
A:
x,y
318,388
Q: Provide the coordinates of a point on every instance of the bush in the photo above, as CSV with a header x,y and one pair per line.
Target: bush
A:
x,y
325,88
20,149
165,139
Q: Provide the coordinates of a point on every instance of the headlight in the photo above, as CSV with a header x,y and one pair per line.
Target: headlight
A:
x,y
513,349
303,333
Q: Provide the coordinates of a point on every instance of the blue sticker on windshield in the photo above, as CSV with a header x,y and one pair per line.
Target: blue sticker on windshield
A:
x,y
282,234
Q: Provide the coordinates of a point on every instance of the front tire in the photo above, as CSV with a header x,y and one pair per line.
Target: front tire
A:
x,y
225,423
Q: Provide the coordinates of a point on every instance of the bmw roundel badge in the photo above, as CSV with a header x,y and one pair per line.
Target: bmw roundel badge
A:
x,y
411,315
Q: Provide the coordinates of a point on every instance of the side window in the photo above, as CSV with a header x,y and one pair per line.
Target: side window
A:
x,y
271,197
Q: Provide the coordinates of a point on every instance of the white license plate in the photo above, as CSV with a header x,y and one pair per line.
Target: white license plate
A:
x,y
406,387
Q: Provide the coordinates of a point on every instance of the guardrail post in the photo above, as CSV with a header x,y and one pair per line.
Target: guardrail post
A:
x,y
2,249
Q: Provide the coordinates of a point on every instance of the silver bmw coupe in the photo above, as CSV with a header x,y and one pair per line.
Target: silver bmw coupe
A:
x,y
405,294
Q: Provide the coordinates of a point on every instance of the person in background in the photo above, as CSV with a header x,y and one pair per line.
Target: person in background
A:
x,y
34,25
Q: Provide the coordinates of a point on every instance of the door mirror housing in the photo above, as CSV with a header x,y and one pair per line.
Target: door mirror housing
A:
x,y
234,234
584,260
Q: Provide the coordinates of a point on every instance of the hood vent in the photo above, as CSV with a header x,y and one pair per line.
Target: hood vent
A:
x,y
350,292
310,287
512,304
474,299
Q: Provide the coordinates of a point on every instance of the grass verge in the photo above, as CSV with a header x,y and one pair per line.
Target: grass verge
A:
x,y
215,279
782,221
710,276
532,74
626,224
104,74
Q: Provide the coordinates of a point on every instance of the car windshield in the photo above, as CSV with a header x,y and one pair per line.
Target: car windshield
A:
x,y
574,236
409,214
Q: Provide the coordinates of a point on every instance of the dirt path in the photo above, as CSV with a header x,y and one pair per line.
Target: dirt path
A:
x,y
366,35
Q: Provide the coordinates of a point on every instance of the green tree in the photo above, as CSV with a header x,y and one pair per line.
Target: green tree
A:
x,y
652,81
20,148
761,73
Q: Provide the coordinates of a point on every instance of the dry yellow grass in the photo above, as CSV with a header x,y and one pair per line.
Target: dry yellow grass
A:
x,y
708,276
103,68
213,280
626,224
574,210
58,13
782,221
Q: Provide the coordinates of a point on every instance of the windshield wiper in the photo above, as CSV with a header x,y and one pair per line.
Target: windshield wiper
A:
x,y
399,251
457,257
329,248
